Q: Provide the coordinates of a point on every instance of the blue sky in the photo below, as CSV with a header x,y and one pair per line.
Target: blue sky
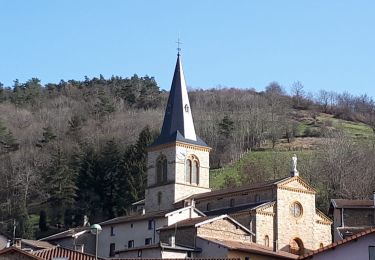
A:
x,y
323,44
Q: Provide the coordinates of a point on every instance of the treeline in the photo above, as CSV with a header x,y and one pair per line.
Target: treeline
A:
x,y
77,148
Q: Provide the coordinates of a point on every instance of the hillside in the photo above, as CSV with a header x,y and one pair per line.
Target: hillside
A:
x,y
90,137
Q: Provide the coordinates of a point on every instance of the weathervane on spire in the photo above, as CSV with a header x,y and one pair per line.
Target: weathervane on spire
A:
x,y
178,45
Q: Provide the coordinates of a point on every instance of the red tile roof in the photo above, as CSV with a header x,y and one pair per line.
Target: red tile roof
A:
x,y
251,248
13,250
48,254
338,243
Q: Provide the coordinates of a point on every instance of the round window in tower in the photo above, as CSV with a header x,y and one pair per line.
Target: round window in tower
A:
x,y
296,209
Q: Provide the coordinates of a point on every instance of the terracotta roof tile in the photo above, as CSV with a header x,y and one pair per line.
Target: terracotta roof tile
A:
x,y
12,249
338,243
58,251
250,247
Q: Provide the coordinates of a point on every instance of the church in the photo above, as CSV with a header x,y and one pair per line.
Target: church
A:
x,y
181,217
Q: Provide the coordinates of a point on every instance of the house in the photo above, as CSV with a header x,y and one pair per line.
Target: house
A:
x,y
277,214
79,239
14,253
351,216
360,246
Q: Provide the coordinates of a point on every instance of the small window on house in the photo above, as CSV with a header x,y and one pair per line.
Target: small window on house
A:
x,y
208,207
130,243
321,245
131,225
148,241
247,258
139,253
112,248
266,241
231,203
159,197
112,231
189,254
150,224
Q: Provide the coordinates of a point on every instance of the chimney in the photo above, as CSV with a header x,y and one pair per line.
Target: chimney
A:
x,y
17,242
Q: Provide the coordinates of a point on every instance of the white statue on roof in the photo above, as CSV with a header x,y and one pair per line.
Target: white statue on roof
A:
x,y
294,170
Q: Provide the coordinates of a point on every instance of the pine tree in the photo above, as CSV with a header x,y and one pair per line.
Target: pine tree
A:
x,y
60,184
7,142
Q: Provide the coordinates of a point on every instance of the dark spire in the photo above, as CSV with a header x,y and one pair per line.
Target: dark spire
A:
x,y
178,121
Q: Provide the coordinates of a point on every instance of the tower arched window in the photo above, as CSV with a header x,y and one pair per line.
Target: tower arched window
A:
x,y
266,240
192,170
161,170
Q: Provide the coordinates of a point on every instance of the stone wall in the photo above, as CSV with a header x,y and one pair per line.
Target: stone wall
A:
x,y
183,236
264,227
223,228
177,187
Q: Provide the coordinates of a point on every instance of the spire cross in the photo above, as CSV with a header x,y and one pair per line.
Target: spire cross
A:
x,y
178,45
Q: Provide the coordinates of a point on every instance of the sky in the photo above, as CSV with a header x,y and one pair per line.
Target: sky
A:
x,y
323,44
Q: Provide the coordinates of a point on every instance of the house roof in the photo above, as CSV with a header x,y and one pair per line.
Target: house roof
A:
x,y
235,209
197,222
130,218
346,203
73,232
37,243
161,246
244,188
178,121
250,247
13,249
48,254
336,244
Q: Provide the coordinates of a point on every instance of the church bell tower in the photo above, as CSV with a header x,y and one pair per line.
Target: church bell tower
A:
x,y
178,161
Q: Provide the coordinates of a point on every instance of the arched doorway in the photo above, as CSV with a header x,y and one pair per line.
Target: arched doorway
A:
x,y
296,246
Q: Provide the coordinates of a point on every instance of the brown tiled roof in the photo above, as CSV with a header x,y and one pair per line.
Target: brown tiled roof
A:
x,y
124,219
67,233
37,243
12,249
251,248
252,186
344,203
338,243
48,254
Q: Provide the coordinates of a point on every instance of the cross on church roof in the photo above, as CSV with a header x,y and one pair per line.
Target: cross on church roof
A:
x,y
178,45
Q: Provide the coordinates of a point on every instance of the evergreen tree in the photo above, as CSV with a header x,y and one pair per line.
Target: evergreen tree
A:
x,y
7,142
43,221
60,185
48,136
104,107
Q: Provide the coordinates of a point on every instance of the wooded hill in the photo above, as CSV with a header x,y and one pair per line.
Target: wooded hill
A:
x,y
78,147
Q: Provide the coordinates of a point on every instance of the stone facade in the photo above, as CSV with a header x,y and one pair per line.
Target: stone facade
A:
x,y
176,188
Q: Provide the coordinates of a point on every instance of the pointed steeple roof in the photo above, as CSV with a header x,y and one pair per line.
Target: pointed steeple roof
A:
x,y
178,122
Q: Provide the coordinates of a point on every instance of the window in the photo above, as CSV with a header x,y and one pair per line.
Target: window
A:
x,y
150,224
148,241
161,170
296,209
371,250
131,225
231,203
247,258
321,245
159,197
130,243
192,170
112,248
112,231
266,241
189,254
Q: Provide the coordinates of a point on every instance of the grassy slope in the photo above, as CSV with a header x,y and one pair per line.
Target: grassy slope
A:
x,y
274,164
